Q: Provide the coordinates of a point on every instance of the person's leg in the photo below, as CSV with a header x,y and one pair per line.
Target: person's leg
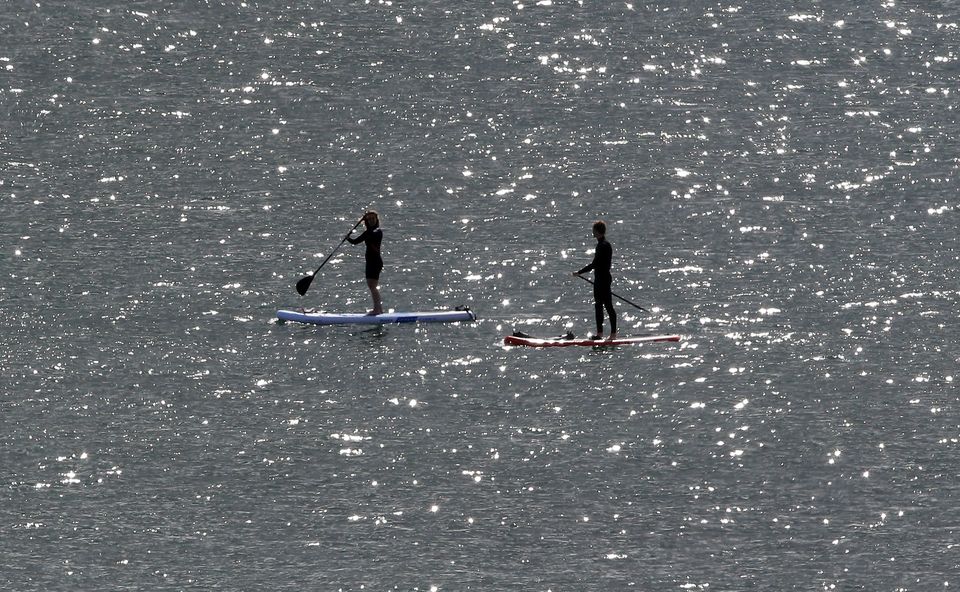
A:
x,y
374,285
598,308
612,314
603,297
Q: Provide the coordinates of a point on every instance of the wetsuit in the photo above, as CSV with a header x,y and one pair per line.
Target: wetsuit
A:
x,y
602,280
372,237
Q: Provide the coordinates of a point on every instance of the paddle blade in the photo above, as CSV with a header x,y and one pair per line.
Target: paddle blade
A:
x,y
304,284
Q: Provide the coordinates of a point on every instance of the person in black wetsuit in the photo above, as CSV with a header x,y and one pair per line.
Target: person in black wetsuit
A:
x,y
372,236
602,280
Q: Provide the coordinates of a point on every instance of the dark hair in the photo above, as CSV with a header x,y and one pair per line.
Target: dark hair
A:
x,y
601,227
375,216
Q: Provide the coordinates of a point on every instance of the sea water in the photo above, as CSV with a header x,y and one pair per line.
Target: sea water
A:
x,y
779,182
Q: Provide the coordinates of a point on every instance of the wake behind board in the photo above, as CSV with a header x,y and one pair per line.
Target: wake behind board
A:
x,y
565,342
389,318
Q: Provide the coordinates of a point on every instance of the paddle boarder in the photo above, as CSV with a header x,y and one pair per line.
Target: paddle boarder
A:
x,y
602,280
372,237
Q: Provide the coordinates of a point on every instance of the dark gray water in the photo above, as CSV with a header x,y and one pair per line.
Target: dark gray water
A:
x,y
780,182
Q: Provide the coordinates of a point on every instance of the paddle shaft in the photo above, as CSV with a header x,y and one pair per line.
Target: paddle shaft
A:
x,y
304,284
615,295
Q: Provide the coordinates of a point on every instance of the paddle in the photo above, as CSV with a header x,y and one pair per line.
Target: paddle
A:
x,y
304,284
615,295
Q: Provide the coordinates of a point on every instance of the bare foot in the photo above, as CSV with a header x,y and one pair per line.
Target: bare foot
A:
x,y
375,312
612,337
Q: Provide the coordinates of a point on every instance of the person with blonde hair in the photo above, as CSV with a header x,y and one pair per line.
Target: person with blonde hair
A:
x,y
372,237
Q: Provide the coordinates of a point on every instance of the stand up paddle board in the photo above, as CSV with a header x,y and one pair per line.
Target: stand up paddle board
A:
x,y
323,318
523,339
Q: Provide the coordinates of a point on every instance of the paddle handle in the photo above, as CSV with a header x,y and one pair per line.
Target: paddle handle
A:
x,y
337,248
614,294
304,284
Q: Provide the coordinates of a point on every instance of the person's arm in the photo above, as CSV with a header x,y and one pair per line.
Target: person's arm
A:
x,y
359,239
588,267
